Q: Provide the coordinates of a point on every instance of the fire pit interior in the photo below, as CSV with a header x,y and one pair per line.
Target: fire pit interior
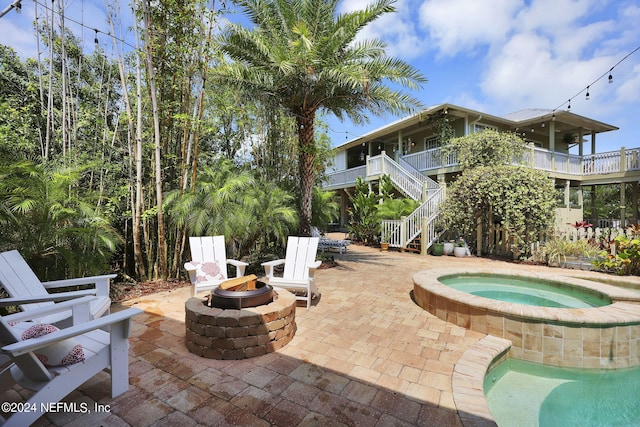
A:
x,y
241,292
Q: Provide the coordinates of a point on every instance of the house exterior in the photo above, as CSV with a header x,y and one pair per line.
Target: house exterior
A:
x,y
409,150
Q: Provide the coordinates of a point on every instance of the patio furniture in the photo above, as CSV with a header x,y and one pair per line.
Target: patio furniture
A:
x,y
36,349
326,243
27,292
299,267
208,265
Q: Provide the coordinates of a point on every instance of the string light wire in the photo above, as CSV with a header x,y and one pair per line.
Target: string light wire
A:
x,y
67,18
608,73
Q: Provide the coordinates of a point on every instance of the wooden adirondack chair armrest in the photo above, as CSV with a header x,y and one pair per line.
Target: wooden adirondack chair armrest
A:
x,y
313,267
60,296
30,345
239,265
74,305
268,266
101,282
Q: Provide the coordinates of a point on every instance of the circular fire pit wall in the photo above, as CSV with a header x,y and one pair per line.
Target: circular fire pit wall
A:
x,y
233,334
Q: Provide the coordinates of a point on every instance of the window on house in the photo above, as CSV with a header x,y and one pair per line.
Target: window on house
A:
x,y
479,127
435,141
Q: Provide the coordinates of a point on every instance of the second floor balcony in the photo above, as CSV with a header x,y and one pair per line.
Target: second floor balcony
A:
x,y
591,167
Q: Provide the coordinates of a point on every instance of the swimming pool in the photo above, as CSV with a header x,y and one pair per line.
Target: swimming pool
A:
x,y
528,291
523,394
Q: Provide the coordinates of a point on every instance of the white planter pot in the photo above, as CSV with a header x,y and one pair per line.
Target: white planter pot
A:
x,y
448,248
460,251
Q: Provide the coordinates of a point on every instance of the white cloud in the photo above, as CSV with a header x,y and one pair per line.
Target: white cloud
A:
x,y
396,29
462,25
628,91
527,73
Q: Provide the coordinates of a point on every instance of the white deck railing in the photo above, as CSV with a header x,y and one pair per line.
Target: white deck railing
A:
x,y
345,177
542,159
403,180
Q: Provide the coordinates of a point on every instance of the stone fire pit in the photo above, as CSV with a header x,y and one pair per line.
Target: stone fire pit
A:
x,y
233,334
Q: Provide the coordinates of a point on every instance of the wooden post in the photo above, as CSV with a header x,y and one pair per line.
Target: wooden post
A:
x,y
403,233
424,236
623,206
479,236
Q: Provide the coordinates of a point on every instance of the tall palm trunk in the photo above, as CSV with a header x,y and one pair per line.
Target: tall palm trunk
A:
x,y
306,165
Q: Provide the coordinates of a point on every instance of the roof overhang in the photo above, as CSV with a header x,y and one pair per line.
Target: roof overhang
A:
x,y
564,121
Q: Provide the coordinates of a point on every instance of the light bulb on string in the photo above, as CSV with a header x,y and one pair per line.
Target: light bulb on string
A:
x,y
569,106
95,38
610,78
587,97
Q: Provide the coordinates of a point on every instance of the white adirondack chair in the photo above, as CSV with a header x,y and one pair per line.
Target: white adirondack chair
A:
x,y
299,268
205,252
28,292
102,350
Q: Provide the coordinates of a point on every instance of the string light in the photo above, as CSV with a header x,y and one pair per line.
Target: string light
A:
x,y
609,73
67,18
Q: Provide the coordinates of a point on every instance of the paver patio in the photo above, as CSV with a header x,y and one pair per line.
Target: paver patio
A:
x,y
363,355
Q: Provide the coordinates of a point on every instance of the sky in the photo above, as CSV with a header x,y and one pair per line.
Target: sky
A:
x,y
495,56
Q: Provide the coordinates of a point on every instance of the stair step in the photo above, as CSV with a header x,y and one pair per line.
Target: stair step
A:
x,y
410,249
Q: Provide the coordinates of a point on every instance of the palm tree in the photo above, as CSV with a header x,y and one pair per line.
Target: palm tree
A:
x,y
304,57
54,223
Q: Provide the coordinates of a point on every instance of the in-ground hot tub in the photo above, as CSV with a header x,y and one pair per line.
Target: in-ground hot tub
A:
x,y
525,290
591,337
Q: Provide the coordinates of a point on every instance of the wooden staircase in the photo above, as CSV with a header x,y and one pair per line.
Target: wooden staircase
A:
x,y
414,246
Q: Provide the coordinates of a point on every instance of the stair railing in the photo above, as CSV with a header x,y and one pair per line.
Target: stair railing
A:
x,y
398,233
404,181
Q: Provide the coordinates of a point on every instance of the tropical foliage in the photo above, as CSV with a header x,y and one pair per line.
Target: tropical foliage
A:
x,y
626,260
364,223
47,215
305,57
519,198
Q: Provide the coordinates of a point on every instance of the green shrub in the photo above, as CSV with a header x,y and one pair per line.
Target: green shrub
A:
x,y
557,250
626,261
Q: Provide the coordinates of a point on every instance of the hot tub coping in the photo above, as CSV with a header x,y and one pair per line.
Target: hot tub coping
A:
x,y
623,311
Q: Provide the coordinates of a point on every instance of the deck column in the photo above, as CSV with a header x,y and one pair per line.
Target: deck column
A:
x,y
634,201
623,207
552,143
594,211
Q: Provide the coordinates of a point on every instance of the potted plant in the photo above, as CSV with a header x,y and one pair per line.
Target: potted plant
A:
x,y
448,247
437,249
384,241
460,248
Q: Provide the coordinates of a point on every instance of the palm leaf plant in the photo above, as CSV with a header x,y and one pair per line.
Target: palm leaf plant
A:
x,y
305,57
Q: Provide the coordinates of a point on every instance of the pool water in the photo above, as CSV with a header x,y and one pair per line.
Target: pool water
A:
x,y
522,394
525,291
